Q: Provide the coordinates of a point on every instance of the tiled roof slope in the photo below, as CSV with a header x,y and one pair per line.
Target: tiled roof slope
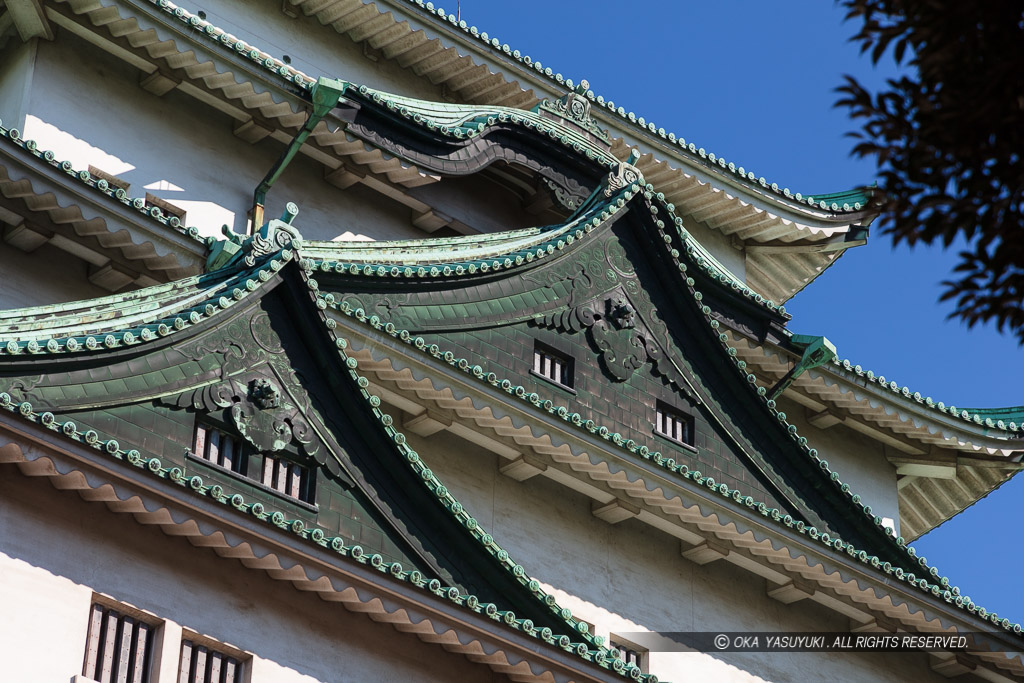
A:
x,y
476,67
704,187
145,316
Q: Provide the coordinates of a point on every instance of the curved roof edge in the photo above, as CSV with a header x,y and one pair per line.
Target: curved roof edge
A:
x,y
846,201
827,207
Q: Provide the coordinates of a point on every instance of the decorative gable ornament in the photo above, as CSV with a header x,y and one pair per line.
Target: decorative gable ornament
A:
x,y
624,176
274,236
269,423
573,109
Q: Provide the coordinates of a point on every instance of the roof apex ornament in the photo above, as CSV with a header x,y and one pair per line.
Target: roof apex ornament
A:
x,y
271,238
574,108
625,175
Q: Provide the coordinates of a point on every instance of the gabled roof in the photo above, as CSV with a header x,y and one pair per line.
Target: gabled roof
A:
x,y
115,324
948,457
115,328
598,214
790,238
932,583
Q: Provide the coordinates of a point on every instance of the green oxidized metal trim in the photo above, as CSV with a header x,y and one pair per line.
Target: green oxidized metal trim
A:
x,y
367,260
227,40
130,319
1010,419
467,121
842,202
13,136
585,649
940,589
935,584
816,352
590,649
471,254
801,442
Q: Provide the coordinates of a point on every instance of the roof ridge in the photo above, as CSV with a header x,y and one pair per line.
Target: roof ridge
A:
x,y
513,248
591,648
994,418
941,587
150,325
688,150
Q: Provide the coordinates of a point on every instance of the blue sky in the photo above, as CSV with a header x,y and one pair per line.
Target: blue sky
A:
x,y
754,82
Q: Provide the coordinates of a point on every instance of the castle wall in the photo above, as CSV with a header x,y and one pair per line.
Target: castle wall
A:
x,y
630,577
57,551
859,460
45,276
184,153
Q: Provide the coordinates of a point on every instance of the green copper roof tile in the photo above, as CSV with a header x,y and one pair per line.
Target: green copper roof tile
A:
x,y
1010,419
468,120
930,582
581,643
853,200
460,123
133,318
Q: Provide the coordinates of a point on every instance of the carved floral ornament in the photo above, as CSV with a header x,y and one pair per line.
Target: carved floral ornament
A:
x,y
259,410
575,107
625,175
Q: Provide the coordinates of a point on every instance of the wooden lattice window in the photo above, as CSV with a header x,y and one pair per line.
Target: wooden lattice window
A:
x,y
217,446
288,478
201,663
552,365
119,647
674,424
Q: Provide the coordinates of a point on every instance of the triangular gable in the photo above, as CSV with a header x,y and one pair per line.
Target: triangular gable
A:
x,y
249,351
618,284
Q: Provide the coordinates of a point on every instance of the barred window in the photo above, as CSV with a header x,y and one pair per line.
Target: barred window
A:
x,y
202,663
220,448
288,478
552,365
119,647
674,424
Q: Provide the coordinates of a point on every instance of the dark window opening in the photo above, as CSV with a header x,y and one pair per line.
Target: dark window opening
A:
x,y
630,654
288,478
217,446
203,664
552,365
674,424
118,648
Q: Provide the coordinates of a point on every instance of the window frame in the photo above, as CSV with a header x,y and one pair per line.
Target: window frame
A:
x,y
243,450
307,483
253,461
228,652
101,609
663,411
568,363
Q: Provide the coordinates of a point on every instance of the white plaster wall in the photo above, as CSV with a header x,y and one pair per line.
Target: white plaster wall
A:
x,y
630,577
859,460
720,246
98,115
45,276
56,549
16,63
